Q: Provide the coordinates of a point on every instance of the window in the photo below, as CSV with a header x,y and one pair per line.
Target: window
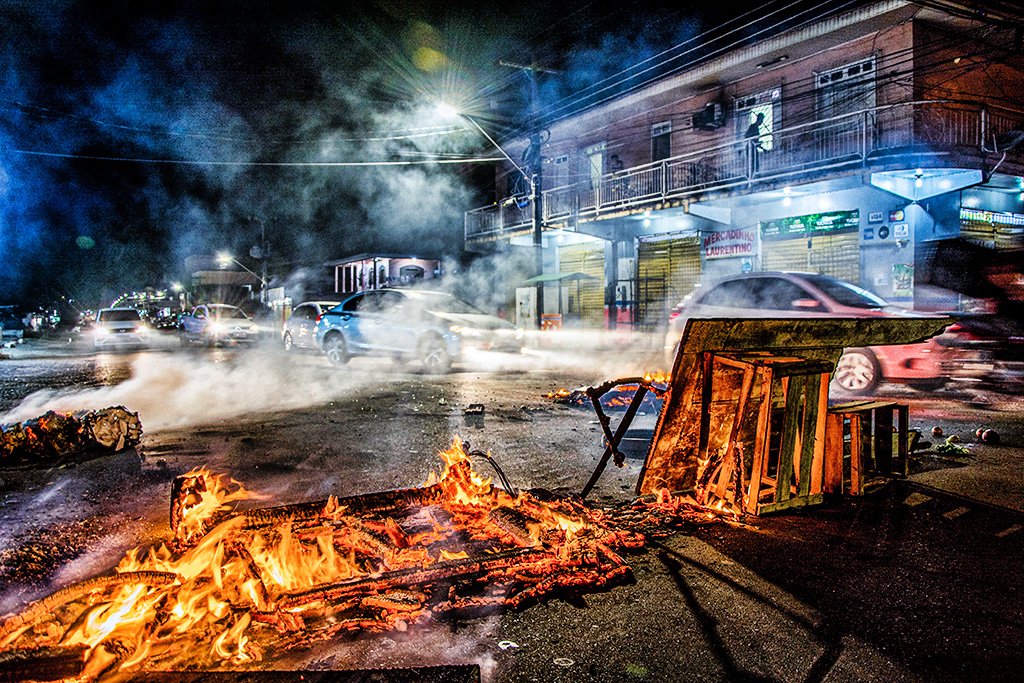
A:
x,y
352,305
846,89
777,294
661,141
731,294
763,110
595,164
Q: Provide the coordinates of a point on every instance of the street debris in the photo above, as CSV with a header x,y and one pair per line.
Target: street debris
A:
x,y
237,585
54,437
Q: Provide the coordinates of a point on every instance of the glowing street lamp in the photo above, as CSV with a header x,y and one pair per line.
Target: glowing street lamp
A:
x,y
225,259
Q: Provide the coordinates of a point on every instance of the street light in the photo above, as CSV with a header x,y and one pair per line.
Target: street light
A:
x,y
225,259
533,178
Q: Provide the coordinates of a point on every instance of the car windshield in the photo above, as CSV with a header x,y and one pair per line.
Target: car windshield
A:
x,y
439,301
119,315
227,312
845,293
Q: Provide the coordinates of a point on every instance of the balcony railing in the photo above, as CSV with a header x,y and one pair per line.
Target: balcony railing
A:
x,y
917,129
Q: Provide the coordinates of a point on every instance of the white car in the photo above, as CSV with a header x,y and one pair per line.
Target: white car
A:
x,y
297,334
217,324
120,328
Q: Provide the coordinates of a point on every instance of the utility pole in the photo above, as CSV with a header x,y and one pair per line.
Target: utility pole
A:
x,y
535,166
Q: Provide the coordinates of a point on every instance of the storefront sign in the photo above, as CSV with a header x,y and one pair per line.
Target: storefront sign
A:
x,y
729,243
808,226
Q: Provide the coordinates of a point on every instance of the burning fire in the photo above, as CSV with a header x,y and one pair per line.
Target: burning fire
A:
x,y
234,586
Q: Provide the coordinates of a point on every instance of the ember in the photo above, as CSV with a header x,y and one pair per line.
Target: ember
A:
x,y
53,436
617,394
234,586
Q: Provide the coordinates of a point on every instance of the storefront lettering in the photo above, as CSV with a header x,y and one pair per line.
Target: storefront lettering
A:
x,y
734,242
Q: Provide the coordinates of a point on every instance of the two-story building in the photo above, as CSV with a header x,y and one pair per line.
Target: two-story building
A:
x,y
847,146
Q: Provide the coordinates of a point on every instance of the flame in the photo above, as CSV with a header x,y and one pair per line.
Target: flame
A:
x,y
657,377
205,608
217,496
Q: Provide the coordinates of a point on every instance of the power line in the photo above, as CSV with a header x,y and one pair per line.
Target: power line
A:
x,y
212,162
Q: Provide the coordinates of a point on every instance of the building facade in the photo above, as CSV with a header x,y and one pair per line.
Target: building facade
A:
x,y
849,146
377,271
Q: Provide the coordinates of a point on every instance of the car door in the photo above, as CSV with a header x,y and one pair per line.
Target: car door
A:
x,y
348,319
383,325
303,322
195,323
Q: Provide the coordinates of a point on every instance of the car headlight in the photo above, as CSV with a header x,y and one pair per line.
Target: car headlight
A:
x,y
102,331
216,328
456,329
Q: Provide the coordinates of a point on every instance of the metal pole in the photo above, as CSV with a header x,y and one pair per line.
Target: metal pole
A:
x,y
538,196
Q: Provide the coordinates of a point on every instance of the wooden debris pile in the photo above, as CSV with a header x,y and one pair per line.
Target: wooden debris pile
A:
x,y
234,586
54,436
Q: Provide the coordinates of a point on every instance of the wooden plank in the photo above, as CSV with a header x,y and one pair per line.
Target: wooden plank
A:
x,y
902,464
817,463
805,368
767,508
790,428
761,440
867,443
883,438
856,461
834,450
707,391
729,461
808,433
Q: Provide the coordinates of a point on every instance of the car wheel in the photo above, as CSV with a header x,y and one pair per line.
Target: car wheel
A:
x,y
336,349
183,338
287,342
857,371
434,355
399,359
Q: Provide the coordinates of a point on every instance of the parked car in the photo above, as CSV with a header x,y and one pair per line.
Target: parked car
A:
x,y
212,324
119,328
12,328
809,295
298,329
409,324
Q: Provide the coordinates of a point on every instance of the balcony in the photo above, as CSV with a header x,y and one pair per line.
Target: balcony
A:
x,y
917,133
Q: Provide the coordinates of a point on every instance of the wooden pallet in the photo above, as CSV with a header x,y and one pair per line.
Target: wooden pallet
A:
x,y
859,444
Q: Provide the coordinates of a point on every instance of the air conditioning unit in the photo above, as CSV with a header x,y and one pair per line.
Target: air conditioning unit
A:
x,y
711,117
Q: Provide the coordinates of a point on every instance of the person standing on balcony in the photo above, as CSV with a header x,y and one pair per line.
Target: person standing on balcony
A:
x,y
753,139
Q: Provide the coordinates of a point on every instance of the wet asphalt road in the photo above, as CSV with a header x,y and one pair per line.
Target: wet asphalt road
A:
x,y
917,582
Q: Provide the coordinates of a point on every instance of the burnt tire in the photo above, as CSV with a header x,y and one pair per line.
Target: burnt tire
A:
x,y
433,354
287,343
858,371
336,349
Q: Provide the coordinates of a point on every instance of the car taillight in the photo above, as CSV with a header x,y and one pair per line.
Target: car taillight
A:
x,y
317,321
674,313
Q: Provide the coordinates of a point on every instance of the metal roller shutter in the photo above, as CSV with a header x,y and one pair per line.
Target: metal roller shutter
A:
x,y
667,270
589,259
992,235
835,255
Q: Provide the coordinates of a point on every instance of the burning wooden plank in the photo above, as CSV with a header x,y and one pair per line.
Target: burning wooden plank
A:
x,y
53,436
237,586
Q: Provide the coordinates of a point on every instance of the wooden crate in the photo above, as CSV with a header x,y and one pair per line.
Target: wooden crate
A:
x,y
774,412
859,444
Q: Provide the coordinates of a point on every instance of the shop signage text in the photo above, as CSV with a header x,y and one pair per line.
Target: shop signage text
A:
x,y
728,243
806,226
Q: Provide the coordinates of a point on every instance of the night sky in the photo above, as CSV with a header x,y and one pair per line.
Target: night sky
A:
x,y
135,134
